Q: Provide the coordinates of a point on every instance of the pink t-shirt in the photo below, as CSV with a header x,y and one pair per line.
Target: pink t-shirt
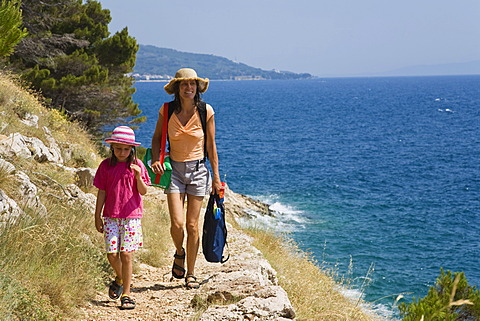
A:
x,y
122,199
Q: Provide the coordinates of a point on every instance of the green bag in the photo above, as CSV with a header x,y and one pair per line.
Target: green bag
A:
x,y
162,181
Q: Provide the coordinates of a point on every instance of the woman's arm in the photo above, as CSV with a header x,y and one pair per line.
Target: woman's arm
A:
x,y
212,154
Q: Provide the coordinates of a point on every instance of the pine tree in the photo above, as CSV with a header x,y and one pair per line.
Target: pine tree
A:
x,y
70,57
10,26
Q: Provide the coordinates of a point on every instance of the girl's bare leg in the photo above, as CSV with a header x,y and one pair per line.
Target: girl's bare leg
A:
x,y
127,270
115,262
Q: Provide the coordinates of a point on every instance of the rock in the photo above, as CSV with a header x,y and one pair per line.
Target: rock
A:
x,y
30,120
9,210
241,205
29,192
75,194
17,145
268,304
14,146
84,176
53,146
6,168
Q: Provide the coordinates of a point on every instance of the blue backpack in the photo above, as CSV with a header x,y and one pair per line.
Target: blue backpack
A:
x,y
214,236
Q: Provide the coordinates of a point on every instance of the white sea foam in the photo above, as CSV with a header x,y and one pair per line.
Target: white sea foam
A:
x,y
284,217
448,110
377,309
281,208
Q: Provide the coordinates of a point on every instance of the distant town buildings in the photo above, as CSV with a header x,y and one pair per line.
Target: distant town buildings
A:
x,y
148,77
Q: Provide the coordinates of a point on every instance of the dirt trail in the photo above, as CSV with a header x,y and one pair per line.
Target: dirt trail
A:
x,y
244,276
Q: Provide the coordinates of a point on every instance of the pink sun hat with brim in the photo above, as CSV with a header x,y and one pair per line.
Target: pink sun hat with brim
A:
x,y
122,135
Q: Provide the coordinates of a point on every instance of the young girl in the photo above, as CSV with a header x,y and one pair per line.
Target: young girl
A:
x,y
121,180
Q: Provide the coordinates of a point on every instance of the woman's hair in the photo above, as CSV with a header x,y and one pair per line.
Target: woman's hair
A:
x,y
130,159
176,92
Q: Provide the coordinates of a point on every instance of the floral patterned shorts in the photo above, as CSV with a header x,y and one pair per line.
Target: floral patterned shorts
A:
x,y
122,235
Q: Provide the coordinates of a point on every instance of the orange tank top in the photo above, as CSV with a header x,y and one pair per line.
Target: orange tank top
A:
x,y
187,142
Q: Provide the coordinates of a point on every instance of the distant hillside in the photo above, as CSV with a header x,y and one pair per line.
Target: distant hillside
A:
x,y
154,63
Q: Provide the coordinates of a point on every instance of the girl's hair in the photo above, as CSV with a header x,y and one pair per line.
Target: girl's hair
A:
x,y
130,159
176,92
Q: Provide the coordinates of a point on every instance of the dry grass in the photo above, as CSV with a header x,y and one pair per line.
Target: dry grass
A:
x,y
156,234
55,259
314,295
49,263
18,104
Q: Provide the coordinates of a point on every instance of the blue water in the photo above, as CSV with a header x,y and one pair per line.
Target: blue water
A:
x,y
377,177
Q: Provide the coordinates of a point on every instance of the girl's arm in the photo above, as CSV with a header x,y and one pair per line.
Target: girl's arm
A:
x,y
98,210
212,154
141,186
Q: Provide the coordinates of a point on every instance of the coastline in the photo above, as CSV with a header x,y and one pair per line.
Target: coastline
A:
x,y
250,285
247,286
239,208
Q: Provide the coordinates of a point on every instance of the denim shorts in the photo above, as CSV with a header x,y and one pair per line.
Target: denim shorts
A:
x,y
192,177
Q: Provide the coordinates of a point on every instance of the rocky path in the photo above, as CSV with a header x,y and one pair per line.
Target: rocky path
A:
x,y
243,288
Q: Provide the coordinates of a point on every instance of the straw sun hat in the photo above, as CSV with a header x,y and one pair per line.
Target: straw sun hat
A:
x,y
186,74
122,135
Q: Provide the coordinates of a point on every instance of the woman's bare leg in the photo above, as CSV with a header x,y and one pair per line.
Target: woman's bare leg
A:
x,y
194,205
177,222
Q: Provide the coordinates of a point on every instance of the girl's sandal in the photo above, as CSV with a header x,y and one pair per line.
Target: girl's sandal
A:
x,y
115,289
178,267
191,282
128,303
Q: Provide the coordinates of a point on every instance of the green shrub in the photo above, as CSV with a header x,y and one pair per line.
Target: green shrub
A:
x,y
451,299
11,31
18,302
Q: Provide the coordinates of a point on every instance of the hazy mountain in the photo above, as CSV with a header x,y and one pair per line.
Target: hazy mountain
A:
x,y
162,63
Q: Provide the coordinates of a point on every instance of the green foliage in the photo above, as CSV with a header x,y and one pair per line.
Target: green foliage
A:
x,y
17,302
10,27
88,22
451,299
118,50
70,58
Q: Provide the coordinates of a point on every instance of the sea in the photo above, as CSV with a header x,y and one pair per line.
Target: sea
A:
x,y
377,178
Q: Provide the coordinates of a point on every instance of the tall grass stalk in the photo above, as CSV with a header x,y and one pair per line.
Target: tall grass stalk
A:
x,y
156,232
314,295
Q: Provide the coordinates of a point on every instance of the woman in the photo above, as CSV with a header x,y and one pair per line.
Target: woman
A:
x,y
191,179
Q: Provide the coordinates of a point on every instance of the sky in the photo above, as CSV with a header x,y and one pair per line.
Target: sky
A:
x,y
320,37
